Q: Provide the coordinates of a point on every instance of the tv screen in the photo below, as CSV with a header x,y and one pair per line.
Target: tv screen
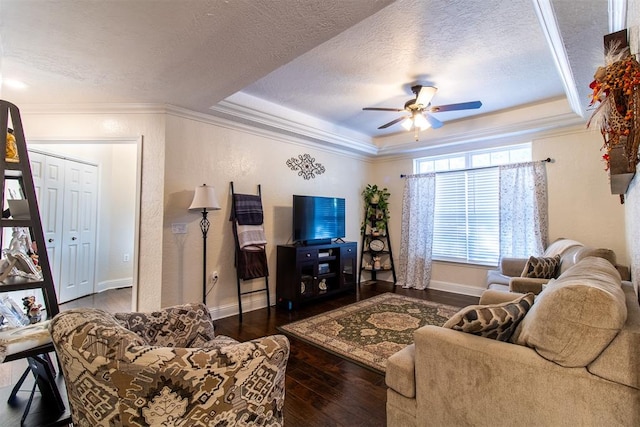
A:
x,y
318,219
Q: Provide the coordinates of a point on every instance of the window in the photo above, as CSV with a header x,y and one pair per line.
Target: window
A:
x,y
467,211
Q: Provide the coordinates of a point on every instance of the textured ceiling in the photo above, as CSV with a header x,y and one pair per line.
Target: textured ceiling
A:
x,y
327,59
374,63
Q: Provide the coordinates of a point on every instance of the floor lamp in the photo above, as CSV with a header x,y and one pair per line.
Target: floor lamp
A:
x,y
204,199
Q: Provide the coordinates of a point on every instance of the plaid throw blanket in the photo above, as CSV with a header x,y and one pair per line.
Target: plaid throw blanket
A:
x,y
248,209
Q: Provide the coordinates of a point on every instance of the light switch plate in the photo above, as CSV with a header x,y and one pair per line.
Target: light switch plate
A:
x,y
179,228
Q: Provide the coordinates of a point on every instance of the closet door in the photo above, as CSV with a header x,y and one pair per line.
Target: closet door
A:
x,y
48,178
69,287
79,231
87,230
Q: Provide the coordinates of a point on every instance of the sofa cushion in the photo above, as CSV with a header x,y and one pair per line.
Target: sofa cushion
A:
x,y
496,321
560,246
576,317
541,267
620,361
585,252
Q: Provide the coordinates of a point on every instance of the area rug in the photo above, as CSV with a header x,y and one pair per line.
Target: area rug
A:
x,y
369,331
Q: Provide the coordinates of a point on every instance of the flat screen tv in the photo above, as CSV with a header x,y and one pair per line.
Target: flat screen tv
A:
x,y
318,220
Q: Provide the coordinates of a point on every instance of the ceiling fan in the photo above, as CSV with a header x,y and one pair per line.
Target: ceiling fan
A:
x,y
418,110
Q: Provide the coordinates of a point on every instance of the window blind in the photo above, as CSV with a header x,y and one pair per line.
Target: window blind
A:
x,y
466,223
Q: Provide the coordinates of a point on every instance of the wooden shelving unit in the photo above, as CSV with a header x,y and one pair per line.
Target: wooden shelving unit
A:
x,y
17,177
376,255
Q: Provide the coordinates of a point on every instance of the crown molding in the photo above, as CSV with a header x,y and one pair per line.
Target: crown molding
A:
x,y
249,109
264,132
232,115
549,26
107,108
511,131
617,15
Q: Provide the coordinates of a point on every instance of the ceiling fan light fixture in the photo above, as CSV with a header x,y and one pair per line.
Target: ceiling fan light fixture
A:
x,y
420,121
407,123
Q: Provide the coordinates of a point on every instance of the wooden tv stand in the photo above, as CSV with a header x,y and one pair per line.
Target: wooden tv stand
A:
x,y
307,273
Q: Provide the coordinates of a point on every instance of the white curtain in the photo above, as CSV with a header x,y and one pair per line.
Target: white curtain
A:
x,y
523,209
418,206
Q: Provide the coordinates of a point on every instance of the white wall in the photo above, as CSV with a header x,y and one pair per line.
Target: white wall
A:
x,y
632,204
581,205
199,152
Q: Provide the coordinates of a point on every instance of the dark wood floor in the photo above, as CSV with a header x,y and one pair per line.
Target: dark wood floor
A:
x,y
321,389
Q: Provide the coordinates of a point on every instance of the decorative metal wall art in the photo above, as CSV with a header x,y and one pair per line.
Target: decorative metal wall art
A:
x,y
306,166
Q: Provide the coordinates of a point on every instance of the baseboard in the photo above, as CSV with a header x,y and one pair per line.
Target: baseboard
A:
x,y
257,301
113,284
250,302
455,288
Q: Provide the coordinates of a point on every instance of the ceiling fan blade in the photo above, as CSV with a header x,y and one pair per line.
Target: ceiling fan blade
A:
x,y
453,107
425,95
435,123
392,122
382,109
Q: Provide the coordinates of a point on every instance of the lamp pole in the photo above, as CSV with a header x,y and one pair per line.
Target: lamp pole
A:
x,y
204,227
204,198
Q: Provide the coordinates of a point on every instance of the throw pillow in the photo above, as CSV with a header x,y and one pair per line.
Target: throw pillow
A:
x,y
495,321
541,267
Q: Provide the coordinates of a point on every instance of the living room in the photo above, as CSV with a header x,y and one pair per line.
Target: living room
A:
x,y
180,148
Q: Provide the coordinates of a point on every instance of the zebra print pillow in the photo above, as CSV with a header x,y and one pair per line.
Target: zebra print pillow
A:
x,y
495,321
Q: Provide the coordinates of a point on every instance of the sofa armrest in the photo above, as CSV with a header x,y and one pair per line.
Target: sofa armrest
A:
x,y
625,272
527,284
463,379
400,372
492,296
186,325
512,267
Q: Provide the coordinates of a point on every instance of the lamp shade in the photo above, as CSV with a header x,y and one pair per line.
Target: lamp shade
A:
x,y
205,198
420,121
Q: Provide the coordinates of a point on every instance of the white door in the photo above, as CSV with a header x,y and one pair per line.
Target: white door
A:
x,y
67,200
48,179
87,229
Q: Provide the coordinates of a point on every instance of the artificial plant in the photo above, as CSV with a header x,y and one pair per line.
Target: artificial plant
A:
x,y
376,201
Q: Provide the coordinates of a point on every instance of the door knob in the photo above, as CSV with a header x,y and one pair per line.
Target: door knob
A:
x,y
74,238
50,240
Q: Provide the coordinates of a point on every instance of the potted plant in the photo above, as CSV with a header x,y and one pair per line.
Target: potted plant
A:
x,y
376,201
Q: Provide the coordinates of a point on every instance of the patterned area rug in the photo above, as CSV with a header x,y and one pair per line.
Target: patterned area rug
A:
x,y
369,331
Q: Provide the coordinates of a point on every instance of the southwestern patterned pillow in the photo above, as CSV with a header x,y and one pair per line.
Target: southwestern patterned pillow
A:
x,y
186,325
541,268
495,321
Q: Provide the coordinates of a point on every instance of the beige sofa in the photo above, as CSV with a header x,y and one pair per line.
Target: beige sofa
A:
x,y
574,359
508,275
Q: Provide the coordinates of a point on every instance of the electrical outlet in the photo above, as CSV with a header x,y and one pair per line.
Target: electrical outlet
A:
x,y
125,257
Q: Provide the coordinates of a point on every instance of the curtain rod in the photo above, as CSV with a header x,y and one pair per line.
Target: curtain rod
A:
x,y
547,160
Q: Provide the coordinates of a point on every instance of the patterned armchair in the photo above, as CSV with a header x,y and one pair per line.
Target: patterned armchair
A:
x,y
166,368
